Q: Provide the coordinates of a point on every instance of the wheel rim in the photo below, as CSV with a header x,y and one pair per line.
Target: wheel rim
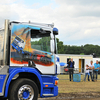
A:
x,y
26,92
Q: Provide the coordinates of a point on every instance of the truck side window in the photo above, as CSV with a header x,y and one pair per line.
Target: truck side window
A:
x,y
40,41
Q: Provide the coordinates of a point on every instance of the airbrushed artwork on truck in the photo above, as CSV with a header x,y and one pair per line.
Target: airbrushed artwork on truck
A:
x,y
24,48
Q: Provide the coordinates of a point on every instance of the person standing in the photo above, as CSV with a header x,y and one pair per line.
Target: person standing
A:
x,y
71,67
91,67
86,72
95,71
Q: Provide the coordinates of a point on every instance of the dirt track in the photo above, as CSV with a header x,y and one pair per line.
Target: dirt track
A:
x,y
75,96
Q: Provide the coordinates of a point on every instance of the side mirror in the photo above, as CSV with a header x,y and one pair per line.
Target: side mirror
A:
x,y
55,31
52,45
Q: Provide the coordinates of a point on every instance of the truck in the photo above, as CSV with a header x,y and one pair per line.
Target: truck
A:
x,y
18,44
28,62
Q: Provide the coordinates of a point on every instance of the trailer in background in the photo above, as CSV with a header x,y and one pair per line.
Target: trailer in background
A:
x,y
80,61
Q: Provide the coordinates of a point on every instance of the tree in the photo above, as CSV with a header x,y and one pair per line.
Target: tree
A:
x,y
86,49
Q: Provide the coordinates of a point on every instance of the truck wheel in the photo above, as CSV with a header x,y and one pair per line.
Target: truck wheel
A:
x,y
23,89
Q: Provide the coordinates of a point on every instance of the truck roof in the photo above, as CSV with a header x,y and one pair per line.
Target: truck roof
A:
x,y
42,25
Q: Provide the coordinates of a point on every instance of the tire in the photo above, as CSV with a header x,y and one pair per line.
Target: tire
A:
x,y
23,89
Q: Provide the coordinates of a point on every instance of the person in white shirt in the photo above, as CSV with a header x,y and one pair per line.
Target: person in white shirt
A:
x,y
91,67
86,72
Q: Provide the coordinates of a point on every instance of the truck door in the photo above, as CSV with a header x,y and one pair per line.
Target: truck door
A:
x,y
40,44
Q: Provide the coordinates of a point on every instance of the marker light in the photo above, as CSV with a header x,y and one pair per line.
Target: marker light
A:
x,y
56,82
46,85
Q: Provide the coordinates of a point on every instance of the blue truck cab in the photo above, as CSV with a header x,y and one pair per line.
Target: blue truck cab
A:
x,y
28,63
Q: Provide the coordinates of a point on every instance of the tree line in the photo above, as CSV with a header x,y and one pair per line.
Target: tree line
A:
x,y
82,50
67,49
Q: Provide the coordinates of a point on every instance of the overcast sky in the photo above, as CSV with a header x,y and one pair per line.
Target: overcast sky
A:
x,y
78,21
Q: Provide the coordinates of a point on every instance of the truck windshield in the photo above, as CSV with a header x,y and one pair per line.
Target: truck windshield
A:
x,y
1,46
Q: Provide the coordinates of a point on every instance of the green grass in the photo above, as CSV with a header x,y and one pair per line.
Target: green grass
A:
x,y
65,86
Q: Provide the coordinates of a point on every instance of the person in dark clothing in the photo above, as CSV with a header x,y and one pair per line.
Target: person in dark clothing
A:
x,y
71,67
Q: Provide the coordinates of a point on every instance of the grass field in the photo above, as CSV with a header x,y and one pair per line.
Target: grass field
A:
x,y
65,86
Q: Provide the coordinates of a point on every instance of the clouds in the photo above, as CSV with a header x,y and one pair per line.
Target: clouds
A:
x,y
79,2
76,8
5,2
81,21
83,30
78,21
